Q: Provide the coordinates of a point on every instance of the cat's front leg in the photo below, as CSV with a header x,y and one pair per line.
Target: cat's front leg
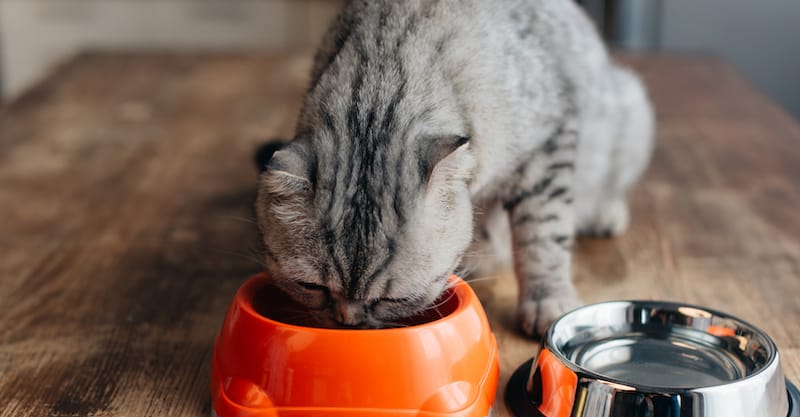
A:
x,y
541,214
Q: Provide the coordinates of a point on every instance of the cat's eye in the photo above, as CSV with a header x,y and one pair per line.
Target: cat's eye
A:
x,y
390,308
311,286
388,302
403,300
316,296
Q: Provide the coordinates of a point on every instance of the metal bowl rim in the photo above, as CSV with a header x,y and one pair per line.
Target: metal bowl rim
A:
x,y
584,372
519,406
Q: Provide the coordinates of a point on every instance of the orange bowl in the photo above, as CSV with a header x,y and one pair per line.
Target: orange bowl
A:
x,y
445,364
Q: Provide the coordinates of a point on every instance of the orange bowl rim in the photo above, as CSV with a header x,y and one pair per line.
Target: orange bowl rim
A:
x,y
456,284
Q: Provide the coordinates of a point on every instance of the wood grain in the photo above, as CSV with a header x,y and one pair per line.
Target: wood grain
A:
x,y
126,187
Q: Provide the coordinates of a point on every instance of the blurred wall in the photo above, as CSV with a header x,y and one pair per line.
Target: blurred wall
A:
x,y
37,34
760,37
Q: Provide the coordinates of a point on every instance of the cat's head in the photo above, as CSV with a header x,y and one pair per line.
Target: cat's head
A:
x,y
367,236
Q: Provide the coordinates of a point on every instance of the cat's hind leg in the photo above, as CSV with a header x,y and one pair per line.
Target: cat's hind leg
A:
x,y
541,215
610,219
490,250
627,129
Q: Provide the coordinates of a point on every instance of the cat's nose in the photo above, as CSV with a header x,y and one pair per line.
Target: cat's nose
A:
x,y
350,314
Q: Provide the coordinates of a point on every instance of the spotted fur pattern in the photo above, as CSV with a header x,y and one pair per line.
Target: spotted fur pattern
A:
x,y
427,120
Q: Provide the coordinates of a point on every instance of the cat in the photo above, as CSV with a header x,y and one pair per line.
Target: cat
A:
x,y
425,122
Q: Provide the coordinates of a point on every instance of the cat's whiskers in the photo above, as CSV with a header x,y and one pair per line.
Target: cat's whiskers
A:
x,y
249,256
248,220
481,279
441,303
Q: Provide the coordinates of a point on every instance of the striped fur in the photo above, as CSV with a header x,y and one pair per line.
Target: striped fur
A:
x,y
427,118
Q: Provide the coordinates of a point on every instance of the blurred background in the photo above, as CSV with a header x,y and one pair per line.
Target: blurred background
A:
x,y
758,37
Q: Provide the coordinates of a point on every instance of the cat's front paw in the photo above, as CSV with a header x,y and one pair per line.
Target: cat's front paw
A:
x,y
535,315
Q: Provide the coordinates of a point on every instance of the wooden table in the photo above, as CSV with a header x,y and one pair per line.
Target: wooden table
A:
x,y
126,188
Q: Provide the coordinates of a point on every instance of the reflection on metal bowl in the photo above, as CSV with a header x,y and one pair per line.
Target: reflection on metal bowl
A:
x,y
652,359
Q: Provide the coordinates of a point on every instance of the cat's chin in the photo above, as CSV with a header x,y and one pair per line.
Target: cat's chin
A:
x,y
325,321
414,319
360,326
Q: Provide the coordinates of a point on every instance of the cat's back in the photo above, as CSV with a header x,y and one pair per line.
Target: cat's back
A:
x,y
485,33
499,70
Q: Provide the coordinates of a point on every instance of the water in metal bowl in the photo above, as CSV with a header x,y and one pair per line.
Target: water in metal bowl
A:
x,y
652,359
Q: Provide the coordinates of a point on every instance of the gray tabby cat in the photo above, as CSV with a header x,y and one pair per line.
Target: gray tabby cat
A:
x,y
428,120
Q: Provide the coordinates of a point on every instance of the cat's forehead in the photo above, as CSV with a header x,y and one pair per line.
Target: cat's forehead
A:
x,y
361,258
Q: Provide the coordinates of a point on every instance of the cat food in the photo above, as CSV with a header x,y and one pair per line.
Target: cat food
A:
x,y
274,304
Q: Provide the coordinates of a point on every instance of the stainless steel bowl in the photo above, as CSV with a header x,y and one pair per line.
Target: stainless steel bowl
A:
x,y
652,359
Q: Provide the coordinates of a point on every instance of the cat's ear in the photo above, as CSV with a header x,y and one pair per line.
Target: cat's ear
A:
x,y
440,151
264,153
288,172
